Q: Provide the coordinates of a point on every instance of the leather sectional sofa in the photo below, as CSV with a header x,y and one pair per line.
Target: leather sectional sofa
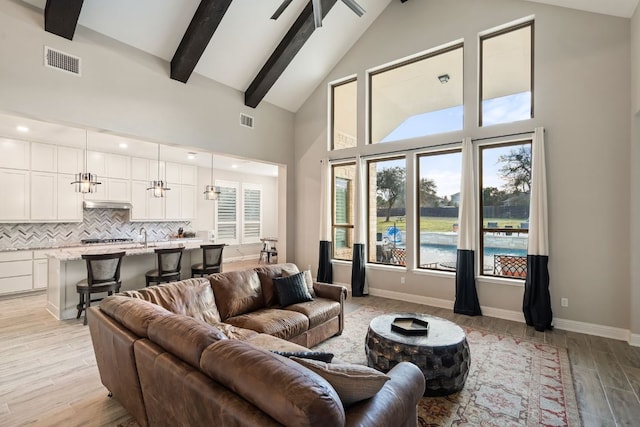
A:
x,y
200,352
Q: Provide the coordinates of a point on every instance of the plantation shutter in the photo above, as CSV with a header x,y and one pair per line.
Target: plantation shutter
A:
x,y
227,221
252,214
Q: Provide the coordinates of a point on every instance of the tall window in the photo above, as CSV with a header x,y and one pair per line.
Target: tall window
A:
x,y
438,190
504,201
226,213
506,75
343,177
386,184
419,97
251,213
344,100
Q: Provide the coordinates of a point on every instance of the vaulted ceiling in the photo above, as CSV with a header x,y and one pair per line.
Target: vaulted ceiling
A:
x,y
235,43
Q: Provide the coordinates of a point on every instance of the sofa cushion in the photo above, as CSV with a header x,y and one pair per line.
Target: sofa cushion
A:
x,y
234,332
279,323
291,289
134,314
236,292
268,289
353,383
184,336
308,278
319,310
289,393
271,343
190,297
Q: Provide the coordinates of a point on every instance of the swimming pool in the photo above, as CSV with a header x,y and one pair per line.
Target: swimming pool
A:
x,y
430,253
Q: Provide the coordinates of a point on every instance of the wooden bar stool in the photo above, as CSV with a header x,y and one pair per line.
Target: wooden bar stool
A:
x,y
169,264
211,261
103,275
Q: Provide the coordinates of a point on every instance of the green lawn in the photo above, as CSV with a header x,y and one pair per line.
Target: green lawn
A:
x,y
428,223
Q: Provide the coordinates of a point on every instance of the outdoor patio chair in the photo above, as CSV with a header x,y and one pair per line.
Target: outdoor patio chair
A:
x,y
510,266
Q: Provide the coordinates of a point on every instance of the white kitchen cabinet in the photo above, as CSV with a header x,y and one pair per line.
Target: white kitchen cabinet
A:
x,y
174,173
118,166
188,203
16,271
69,201
172,203
145,206
139,169
70,160
118,190
97,163
44,157
156,170
40,273
189,175
44,196
101,190
14,154
16,195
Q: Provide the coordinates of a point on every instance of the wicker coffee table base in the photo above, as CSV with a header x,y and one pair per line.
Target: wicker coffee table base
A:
x,y
445,368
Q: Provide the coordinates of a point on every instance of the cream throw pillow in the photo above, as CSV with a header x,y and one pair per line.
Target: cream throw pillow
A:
x,y
308,279
353,383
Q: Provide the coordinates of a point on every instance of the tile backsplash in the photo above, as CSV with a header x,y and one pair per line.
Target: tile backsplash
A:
x,y
97,223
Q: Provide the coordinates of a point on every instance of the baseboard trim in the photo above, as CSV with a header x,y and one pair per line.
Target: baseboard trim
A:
x,y
516,316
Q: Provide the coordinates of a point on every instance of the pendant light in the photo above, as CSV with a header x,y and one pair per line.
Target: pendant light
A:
x,y
86,182
158,188
211,192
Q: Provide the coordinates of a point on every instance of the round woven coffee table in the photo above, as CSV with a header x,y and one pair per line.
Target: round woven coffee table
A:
x,y
442,355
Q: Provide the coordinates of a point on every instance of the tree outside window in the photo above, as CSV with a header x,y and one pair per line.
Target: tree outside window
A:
x,y
343,177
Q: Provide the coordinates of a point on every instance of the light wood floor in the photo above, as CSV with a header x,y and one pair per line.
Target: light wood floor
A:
x,y
48,375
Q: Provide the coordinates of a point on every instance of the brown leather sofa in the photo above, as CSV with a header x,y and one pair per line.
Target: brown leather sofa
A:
x,y
173,355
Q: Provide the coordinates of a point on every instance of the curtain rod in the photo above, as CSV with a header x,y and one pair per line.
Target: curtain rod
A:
x,y
409,150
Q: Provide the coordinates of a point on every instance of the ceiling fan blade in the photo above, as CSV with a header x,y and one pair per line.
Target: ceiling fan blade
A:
x,y
281,9
317,12
353,5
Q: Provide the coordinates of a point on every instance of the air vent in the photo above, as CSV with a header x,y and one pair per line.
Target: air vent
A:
x,y
61,61
246,121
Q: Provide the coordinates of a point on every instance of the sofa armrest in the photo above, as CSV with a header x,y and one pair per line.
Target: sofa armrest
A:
x,y
395,404
333,292
330,291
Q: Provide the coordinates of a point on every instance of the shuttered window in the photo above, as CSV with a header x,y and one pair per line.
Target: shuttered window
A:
x,y
252,213
227,214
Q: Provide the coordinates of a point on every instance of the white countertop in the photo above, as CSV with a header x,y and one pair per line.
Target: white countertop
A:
x,y
131,249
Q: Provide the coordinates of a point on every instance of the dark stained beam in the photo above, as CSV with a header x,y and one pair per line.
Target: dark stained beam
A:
x,y
61,17
195,40
290,45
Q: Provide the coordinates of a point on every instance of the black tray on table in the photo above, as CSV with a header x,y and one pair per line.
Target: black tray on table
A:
x,y
410,326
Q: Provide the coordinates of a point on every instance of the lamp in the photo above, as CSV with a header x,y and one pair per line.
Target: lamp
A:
x,y
211,192
158,188
86,182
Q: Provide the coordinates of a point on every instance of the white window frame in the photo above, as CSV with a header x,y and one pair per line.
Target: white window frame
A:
x,y
243,221
219,239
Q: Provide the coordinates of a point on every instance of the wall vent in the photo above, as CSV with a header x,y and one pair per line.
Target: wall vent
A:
x,y
246,121
61,61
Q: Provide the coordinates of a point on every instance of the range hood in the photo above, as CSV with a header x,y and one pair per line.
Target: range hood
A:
x,y
90,204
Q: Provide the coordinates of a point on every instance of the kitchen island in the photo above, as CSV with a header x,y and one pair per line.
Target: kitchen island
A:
x,y
66,268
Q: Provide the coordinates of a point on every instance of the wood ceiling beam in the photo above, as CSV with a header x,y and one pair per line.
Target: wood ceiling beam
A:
x,y
290,45
61,17
195,40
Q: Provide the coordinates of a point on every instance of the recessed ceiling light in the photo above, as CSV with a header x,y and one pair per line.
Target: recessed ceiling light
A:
x,y
234,166
123,145
191,156
21,128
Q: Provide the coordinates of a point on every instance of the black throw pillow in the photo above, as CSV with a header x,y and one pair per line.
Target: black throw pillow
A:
x,y
292,289
314,355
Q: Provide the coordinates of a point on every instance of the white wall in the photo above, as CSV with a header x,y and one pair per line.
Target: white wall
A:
x,y
126,91
635,179
582,98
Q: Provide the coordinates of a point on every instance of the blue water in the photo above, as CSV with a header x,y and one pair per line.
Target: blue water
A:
x,y
430,253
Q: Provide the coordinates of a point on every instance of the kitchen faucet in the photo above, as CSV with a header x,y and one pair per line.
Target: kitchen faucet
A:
x,y
144,230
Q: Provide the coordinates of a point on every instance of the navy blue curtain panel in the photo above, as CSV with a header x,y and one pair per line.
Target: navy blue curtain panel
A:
x,y
358,271
537,299
325,269
466,294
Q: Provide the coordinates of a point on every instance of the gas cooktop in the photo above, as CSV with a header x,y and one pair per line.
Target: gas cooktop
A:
x,y
107,240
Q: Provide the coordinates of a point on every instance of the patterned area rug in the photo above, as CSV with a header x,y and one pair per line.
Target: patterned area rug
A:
x,y
512,381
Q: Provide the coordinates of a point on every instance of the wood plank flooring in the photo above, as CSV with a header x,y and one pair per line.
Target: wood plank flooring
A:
x,y
48,374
